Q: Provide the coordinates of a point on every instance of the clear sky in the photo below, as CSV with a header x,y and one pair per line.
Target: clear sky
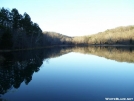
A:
x,y
75,17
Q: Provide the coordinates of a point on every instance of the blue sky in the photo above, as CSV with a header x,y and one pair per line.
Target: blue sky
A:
x,y
76,17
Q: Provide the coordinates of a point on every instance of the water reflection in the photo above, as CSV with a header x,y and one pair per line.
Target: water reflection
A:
x,y
118,53
17,67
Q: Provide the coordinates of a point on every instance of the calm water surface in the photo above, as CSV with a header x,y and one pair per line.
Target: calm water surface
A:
x,y
73,76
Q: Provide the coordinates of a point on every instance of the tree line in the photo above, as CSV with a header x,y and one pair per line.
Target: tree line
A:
x,y
123,35
18,31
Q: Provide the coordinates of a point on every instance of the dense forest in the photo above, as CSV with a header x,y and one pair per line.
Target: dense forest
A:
x,y
19,32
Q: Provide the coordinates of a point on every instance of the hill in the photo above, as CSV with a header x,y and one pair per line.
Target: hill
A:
x,y
119,35
53,38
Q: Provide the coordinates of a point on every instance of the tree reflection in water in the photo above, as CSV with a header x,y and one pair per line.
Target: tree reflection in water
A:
x,y
17,67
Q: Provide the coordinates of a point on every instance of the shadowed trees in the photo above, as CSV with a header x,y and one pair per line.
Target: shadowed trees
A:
x,y
16,19
18,30
6,40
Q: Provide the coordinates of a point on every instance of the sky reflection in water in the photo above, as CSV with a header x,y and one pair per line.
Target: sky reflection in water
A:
x,y
77,77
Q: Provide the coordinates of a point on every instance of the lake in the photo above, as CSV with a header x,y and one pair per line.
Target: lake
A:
x,y
67,74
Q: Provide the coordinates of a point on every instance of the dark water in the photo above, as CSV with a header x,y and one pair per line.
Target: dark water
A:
x,y
67,74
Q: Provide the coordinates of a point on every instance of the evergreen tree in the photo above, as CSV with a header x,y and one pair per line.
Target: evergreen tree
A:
x,y
15,28
16,17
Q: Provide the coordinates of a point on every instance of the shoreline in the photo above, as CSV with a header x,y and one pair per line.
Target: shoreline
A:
x,y
100,45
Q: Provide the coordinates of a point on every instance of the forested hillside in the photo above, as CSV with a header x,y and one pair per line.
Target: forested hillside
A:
x,y
117,36
120,35
53,38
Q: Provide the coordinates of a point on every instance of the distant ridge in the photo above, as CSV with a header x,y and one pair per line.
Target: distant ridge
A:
x,y
123,35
